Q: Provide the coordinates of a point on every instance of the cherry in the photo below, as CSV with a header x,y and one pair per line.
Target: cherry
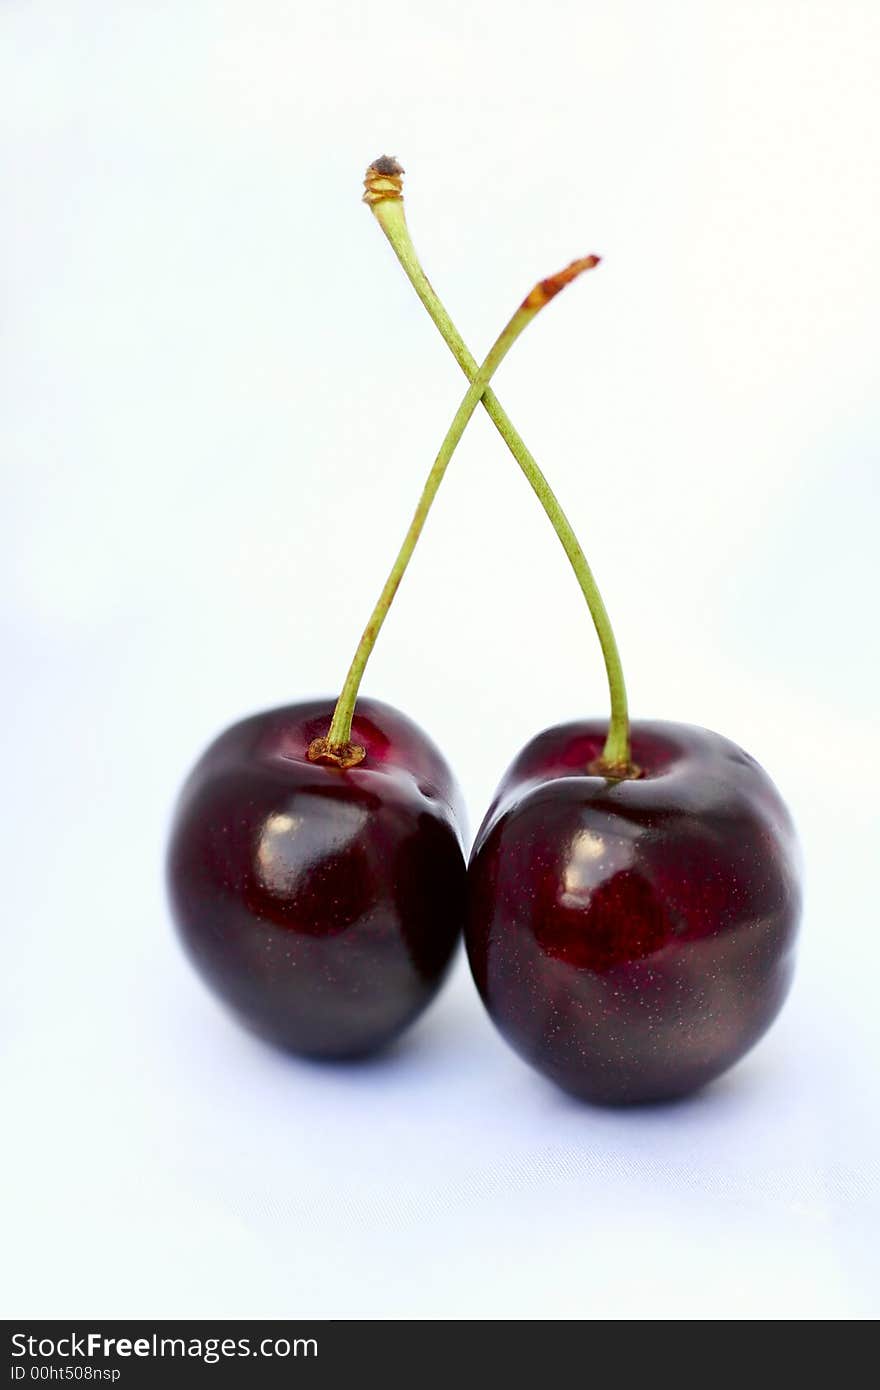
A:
x,y
323,906
633,938
315,870
633,894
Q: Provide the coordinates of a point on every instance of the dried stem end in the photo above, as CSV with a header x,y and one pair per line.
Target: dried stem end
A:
x,y
348,755
383,181
545,290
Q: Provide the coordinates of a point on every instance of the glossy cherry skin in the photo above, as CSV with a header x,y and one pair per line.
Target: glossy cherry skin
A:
x,y
633,939
321,905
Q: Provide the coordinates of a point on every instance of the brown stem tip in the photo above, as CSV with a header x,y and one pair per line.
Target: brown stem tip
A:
x,y
348,755
383,180
545,290
387,164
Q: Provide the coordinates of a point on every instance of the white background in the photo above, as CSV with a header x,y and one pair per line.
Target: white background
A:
x,y
219,398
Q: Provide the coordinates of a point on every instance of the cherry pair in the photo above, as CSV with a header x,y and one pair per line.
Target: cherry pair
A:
x,y
632,897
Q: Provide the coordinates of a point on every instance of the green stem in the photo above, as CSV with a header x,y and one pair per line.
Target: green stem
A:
x,y
337,747
385,198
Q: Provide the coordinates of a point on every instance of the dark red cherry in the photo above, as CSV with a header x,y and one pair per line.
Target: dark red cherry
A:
x,y
321,905
633,939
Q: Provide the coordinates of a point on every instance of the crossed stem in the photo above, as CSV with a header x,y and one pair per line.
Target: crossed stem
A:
x,y
384,195
336,746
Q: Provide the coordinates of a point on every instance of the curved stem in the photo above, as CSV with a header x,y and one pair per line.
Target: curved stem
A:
x,y
385,198
337,747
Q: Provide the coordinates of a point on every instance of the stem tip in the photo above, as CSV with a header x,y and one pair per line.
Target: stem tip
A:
x,y
545,290
387,164
383,180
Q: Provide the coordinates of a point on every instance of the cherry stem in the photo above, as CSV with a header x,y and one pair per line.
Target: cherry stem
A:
x,y
337,746
384,195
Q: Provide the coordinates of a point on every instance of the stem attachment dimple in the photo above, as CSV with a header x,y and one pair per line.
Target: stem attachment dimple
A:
x,y
389,211
614,772
346,755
